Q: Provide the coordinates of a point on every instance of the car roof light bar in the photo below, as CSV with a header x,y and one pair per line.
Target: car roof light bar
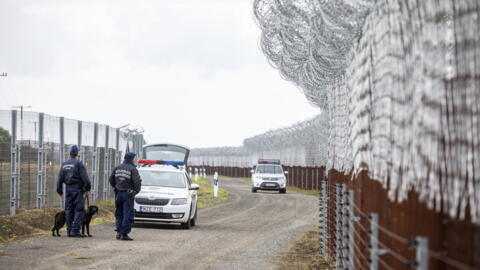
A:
x,y
269,161
160,162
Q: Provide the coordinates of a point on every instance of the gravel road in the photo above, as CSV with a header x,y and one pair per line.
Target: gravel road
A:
x,y
248,231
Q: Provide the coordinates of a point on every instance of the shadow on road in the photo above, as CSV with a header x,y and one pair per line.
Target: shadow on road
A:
x,y
166,226
272,192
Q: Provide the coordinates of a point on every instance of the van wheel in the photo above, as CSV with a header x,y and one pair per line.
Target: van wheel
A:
x,y
254,190
283,190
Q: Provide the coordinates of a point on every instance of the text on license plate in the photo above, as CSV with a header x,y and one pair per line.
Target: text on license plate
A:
x,y
151,209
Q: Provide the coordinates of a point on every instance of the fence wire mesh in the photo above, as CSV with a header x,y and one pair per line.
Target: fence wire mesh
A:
x,y
33,126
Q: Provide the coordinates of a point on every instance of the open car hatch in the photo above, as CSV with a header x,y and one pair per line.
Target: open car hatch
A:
x,y
166,151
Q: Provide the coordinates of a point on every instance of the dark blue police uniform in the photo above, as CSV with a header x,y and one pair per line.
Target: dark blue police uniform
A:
x,y
126,182
74,175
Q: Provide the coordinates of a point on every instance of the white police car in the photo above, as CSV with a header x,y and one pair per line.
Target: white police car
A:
x,y
167,193
269,175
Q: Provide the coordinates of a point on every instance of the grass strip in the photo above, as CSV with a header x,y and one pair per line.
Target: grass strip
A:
x,y
205,194
40,221
303,191
304,254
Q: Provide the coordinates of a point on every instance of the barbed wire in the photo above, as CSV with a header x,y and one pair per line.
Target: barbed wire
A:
x,y
388,116
303,144
384,264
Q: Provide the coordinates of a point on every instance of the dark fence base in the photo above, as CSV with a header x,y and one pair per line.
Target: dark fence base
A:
x,y
458,240
302,177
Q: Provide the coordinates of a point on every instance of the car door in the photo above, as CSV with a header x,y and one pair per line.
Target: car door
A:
x,y
193,194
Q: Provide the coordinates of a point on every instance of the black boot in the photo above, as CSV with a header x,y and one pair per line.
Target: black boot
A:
x,y
119,235
126,237
76,235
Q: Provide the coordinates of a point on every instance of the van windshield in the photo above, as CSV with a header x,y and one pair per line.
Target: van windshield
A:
x,y
163,179
271,169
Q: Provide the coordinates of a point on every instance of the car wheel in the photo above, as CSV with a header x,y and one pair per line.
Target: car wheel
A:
x,y
193,221
186,225
283,190
254,190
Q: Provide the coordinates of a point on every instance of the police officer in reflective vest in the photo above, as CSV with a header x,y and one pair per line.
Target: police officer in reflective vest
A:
x,y
126,183
74,175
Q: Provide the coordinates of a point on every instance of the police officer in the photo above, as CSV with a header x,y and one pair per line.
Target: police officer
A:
x,y
127,183
74,175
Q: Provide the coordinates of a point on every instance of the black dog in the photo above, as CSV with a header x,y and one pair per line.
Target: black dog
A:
x,y
60,220
92,210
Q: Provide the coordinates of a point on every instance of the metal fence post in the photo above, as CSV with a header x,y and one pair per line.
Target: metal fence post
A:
x,y
13,165
315,184
343,226
339,221
300,177
117,147
374,241
324,236
140,146
95,163
349,207
79,139
62,154
375,251
106,164
307,176
422,253
40,164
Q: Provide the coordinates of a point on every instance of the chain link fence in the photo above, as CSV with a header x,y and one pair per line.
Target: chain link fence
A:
x,y
33,145
302,144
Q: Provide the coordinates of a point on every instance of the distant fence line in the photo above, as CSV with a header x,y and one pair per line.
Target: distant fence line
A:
x,y
33,145
302,144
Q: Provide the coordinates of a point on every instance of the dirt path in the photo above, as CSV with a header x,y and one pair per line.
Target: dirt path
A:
x,y
247,232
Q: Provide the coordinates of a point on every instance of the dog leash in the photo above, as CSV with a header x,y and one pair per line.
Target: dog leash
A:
x,y
88,202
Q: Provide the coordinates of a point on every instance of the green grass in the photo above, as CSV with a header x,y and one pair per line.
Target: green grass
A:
x,y
246,180
39,221
205,194
303,191
304,254
106,212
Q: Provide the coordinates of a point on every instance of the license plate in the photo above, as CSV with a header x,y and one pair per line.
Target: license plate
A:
x,y
270,185
151,209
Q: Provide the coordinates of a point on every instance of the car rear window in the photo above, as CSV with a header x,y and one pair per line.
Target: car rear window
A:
x,y
163,179
165,152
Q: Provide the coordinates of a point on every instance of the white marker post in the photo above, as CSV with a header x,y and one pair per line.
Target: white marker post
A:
x,y
215,185
196,173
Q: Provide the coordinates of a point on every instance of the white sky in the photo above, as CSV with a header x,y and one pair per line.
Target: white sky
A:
x,y
188,72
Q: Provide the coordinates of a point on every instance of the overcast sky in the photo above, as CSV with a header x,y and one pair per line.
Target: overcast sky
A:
x,y
188,72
